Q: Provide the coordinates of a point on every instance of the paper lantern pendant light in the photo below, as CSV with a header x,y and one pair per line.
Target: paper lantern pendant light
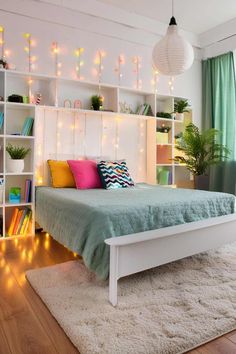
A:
x,y
172,55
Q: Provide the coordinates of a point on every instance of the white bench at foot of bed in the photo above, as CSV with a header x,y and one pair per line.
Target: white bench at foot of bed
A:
x,y
133,253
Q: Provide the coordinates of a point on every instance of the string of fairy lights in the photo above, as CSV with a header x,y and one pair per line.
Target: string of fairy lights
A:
x,y
77,127
31,60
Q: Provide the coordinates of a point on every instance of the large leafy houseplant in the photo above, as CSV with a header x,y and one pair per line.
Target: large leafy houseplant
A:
x,y
200,151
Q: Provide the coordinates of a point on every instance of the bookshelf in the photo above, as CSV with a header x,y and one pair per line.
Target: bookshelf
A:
x,y
14,118
161,140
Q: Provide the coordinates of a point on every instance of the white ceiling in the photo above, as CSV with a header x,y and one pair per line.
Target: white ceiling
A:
x,y
196,16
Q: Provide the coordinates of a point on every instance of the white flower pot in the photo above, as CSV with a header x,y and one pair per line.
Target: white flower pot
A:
x,y
15,166
179,116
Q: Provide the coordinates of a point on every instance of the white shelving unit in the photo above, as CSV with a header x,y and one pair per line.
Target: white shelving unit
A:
x,y
55,91
160,155
14,117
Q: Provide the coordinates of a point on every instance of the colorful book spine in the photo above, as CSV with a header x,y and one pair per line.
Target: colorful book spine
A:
x,y
1,119
146,109
13,221
27,126
27,197
19,215
30,126
24,224
21,221
28,222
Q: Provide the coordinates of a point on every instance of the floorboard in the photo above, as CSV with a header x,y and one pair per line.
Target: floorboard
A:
x,y
23,331
26,325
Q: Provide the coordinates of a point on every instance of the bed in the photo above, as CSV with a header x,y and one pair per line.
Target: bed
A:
x,y
164,223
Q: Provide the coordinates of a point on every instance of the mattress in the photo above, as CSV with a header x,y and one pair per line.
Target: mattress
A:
x,y
82,219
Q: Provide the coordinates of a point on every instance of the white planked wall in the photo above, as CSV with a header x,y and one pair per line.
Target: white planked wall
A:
x,y
65,135
74,29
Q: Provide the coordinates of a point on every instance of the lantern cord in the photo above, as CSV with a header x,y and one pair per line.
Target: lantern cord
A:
x,y
172,20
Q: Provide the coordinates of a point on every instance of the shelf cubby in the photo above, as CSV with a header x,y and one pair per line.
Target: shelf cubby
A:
x,y
17,181
164,175
29,159
164,104
8,217
136,98
164,154
15,118
25,84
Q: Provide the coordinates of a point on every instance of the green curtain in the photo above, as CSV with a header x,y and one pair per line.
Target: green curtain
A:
x,y
219,111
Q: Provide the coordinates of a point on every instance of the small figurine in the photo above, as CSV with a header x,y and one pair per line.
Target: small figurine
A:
x,y
78,104
125,108
38,98
67,103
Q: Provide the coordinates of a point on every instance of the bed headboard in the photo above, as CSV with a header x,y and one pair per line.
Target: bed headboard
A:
x,y
62,134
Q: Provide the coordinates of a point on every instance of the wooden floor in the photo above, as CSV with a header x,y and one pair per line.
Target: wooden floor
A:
x,y
26,326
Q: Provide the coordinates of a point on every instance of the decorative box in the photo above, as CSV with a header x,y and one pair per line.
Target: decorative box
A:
x,y
14,195
162,138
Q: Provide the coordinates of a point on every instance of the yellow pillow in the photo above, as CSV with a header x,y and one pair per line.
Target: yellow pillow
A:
x,y
61,174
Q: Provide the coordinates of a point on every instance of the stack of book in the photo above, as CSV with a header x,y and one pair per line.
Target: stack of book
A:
x,y
20,222
27,126
28,184
144,110
1,119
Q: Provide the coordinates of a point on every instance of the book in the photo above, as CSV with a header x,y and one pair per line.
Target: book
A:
x,y
143,109
21,221
1,119
13,221
19,215
30,126
146,109
24,224
28,186
27,222
27,126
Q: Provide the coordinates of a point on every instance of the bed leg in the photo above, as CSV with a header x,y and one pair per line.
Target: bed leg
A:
x,y
113,278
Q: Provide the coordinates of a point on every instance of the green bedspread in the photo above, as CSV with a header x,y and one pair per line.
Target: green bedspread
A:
x,y
83,219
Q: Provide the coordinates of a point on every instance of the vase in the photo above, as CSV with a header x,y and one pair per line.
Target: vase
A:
x,y
15,166
201,182
179,116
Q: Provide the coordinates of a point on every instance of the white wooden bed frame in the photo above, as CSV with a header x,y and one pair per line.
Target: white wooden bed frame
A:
x,y
133,253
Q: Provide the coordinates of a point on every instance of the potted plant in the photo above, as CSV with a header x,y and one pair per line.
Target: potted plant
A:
x,y
164,115
17,154
96,102
200,150
180,107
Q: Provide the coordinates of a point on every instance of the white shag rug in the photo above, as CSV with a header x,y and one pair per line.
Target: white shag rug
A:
x,y
166,310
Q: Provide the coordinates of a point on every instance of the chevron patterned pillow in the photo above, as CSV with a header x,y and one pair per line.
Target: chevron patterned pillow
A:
x,y
114,174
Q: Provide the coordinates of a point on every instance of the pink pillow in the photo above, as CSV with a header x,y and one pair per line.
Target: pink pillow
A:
x,y
85,173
